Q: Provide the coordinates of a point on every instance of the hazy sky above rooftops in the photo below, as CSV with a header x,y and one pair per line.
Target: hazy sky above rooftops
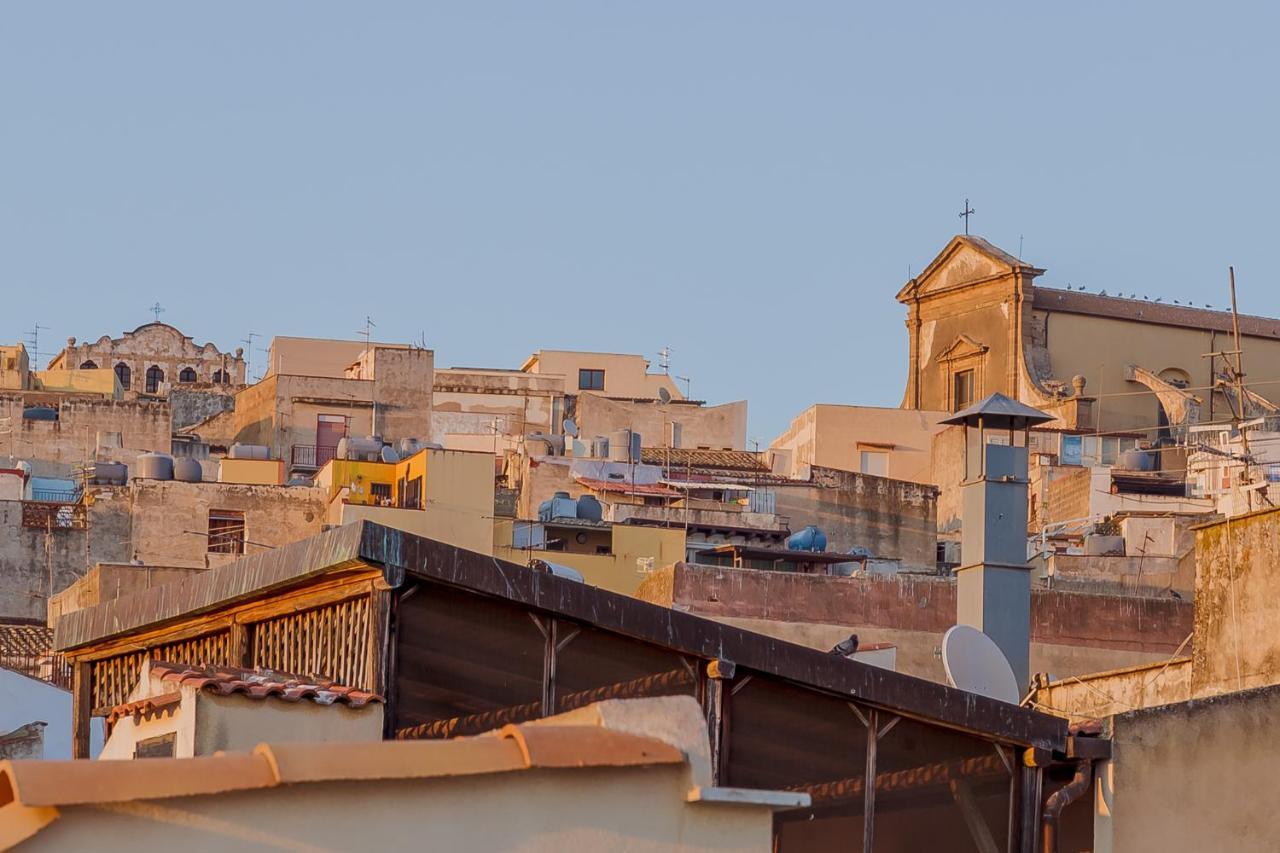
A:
x,y
747,183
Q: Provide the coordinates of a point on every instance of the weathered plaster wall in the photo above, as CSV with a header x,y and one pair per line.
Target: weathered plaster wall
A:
x,y
143,426
1072,633
109,581
165,510
1097,695
625,375
722,427
466,403
154,344
892,518
1237,610
1195,775
191,404
29,556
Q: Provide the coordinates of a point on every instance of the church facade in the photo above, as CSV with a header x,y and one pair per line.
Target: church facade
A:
x,y
153,359
977,324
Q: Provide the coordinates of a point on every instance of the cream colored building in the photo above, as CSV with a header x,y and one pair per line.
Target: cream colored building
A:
x,y
893,443
608,373
15,368
317,356
631,776
978,323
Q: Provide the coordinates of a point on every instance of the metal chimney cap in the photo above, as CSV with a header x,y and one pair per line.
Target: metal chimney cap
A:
x,y
999,412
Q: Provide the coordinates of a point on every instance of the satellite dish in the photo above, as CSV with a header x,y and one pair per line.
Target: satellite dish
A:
x,y
570,428
663,394
974,663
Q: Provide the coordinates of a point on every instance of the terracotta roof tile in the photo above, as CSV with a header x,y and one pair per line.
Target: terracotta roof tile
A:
x,y
696,458
261,684
145,709
628,488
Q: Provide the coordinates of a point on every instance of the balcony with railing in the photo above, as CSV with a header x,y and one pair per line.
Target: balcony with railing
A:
x,y
310,456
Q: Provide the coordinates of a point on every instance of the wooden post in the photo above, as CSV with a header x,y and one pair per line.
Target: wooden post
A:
x,y
238,651
717,710
81,707
869,785
549,633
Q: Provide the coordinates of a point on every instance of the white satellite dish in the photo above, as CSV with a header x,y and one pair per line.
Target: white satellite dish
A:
x,y
570,428
974,663
663,394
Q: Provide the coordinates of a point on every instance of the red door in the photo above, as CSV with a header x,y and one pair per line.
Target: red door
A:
x,y
329,430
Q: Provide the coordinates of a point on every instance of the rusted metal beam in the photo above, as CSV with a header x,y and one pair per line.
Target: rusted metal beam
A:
x,y
488,720
939,775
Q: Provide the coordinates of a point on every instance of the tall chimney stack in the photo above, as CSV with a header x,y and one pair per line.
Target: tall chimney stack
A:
x,y
994,580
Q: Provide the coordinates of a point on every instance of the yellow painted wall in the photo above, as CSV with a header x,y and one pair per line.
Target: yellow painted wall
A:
x,y
616,572
357,477
99,381
256,472
15,368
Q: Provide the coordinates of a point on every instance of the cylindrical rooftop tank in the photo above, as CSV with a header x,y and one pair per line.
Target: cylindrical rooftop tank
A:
x,y
620,445
187,470
154,466
808,539
110,473
39,413
368,448
249,451
589,509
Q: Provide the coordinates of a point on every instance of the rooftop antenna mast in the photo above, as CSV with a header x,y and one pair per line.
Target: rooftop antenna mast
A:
x,y
1234,361
664,359
367,331
247,340
688,386
34,338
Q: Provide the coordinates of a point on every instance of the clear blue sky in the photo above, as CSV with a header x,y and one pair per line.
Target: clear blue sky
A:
x,y
745,182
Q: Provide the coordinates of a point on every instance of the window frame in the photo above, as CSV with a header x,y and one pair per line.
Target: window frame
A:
x,y
588,375
226,540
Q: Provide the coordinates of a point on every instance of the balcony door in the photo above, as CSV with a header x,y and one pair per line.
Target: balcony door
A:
x,y
330,429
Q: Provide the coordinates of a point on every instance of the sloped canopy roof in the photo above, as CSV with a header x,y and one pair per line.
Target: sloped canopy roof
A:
x,y
999,412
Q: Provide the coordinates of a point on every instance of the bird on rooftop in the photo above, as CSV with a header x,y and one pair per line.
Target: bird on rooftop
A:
x,y
1159,299
845,648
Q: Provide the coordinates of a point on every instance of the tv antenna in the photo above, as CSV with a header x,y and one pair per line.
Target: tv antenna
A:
x,y
34,337
688,386
247,340
664,360
367,331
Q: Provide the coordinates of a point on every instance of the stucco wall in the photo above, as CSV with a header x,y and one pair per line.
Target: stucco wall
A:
x,y
722,427
1072,633
830,436
73,438
1191,776
892,518
108,581
1094,696
29,556
625,375
165,510
1237,610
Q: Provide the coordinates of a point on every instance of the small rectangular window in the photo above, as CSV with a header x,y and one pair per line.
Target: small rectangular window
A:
x,y
381,492
962,396
411,497
590,380
873,462
161,746
226,532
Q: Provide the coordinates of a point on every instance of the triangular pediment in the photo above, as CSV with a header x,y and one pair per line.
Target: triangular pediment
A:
x,y
966,260
963,347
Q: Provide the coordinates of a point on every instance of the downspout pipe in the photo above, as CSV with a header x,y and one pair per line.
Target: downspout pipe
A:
x,y
1059,800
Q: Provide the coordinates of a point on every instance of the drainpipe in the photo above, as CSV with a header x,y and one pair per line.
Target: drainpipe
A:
x,y
1059,800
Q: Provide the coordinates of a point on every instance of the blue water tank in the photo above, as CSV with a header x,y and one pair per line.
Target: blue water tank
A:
x,y
39,413
589,509
809,539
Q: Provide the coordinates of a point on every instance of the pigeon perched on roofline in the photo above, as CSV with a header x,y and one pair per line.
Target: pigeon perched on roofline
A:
x,y
845,648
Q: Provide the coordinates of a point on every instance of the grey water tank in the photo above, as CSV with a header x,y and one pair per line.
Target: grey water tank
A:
x,y
154,466
110,473
187,470
589,509
367,449
563,506
40,413
249,451
620,445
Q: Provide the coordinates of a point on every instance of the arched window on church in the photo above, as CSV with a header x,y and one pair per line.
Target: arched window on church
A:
x,y
154,377
124,374
187,375
88,365
219,377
